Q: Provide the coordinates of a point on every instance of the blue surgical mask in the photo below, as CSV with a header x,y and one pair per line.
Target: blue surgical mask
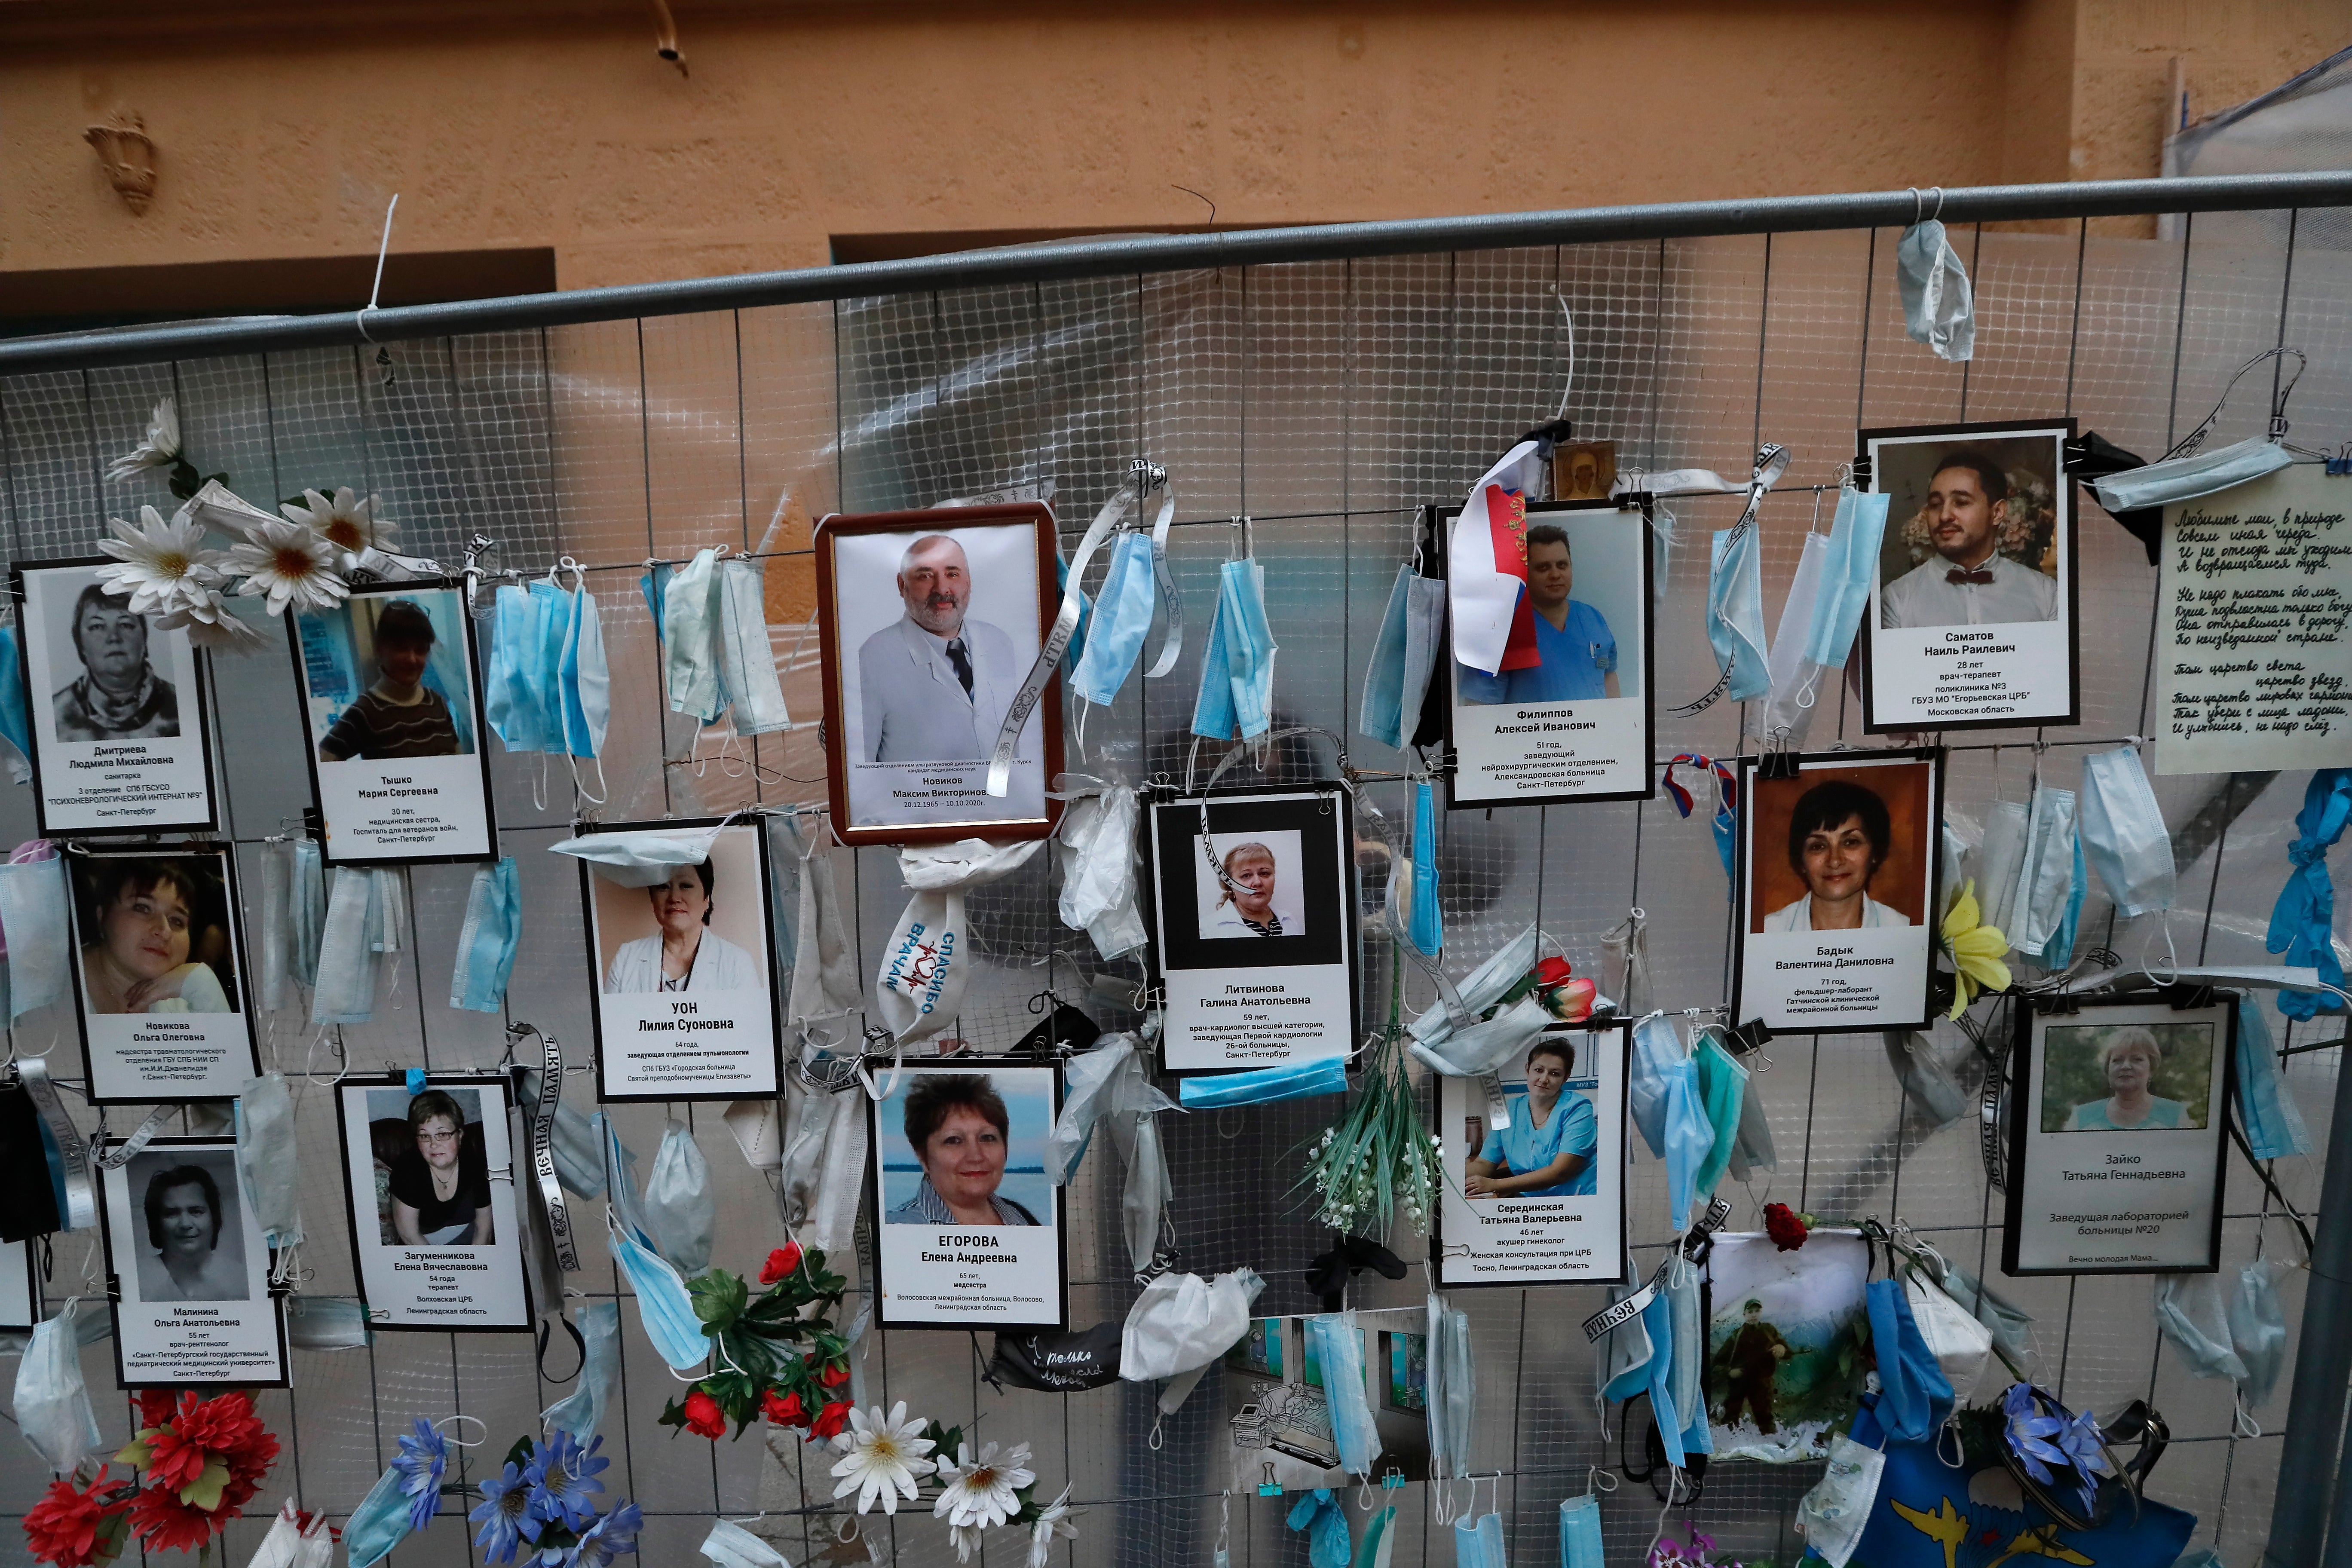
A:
x,y
2046,891
366,917
1579,1532
665,1309
2305,908
1846,574
2123,831
585,679
2272,1122
579,1157
654,588
486,940
2059,951
1668,1112
511,686
2189,1315
15,727
2258,1332
267,1166
1338,1347
32,915
1658,1319
1292,1081
691,638
679,1208
579,1412
1788,707
379,1523
1404,656
1453,1390
1122,619
550,626
1478,1543
1687,1370
1939,308
52,1406
327,1323
2187,479
1735,613
1914,1396
747,663
1428,930
1237,672
308,908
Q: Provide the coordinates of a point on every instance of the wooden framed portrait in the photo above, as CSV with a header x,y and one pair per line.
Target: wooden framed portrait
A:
x,y
684,993
1971,623
1534,1183
1837,891
1254,927
429,1188
971,1233
2117,1146
158,975
116,706
930,624
391,715
190,1269
1575,719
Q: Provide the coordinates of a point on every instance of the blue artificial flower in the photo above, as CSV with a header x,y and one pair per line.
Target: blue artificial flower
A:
x,y
2028,1433
424,1459
505,1513
613,1535
569,1481
2083,1442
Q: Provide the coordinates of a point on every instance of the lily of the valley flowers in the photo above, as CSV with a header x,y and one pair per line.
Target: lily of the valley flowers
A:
x,y
163,567
1974,951
345,522
291,564
882,1458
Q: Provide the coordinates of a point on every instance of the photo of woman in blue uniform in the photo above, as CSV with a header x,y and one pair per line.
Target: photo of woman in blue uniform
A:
x,y
1547,1151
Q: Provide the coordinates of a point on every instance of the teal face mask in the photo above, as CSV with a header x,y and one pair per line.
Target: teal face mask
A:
x,y
486,940
1237,673
379,1523
1939,308
1579,1534
1121,620
1293,1081
1325,1523
1404,657
1428,929
2123,833
1735,613
2272,1122
15,727
665,1310
1722,1084
578,1413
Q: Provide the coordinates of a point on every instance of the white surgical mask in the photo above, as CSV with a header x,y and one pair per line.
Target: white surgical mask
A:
x,y
52,1406
1938,307
732,1546
33,916
579,1412
825,962
1095,848
367,916
1404,657
2124,836
1453,1390
327,1323
267,1165
678,1210
747,662
1735,613
2187,479
1832,1514
1182,1322
690,632
639,860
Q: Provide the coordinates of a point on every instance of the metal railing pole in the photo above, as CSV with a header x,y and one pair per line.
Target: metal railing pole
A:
x,y
2310,1487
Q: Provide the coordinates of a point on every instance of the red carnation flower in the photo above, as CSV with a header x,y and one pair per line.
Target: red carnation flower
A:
x,y
1781,1224
163,1524
830,1421
703,1416
173,1459
782,1410
68,1527
835,1375
155,1406
781,1262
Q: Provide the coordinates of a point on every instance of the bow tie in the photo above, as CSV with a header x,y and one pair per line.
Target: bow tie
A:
x,y
1981,575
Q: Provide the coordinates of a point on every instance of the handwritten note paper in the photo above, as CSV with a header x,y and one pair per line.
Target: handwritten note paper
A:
x,y
2253,662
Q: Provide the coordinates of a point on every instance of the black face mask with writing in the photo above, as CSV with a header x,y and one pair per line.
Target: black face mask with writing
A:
x,y
1060,1362
32,1207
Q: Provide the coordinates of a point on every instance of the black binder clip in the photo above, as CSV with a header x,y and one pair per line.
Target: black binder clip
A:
x,y
2185,996
1776,763
1748,1039
1269,1487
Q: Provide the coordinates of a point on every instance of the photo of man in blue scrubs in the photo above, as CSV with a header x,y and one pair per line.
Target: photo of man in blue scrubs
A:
x,y
1578,651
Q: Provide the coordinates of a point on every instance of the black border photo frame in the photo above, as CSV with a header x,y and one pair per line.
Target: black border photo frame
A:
x,y
1930,854
38,713
489,850
874,1198
1441,681
364,1221
1172,834
2034,1020
2068,534
1624,1029
114,1292
226,855
756,827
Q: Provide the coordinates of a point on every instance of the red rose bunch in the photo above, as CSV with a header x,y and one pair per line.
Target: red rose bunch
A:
x,y
1564,997
1785,1227
204,1460
777,1353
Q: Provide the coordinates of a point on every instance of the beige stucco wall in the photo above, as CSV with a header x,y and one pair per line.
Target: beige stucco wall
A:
x,y
282,130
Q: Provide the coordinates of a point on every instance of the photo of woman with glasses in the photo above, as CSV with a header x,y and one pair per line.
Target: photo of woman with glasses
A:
x,y
441,1184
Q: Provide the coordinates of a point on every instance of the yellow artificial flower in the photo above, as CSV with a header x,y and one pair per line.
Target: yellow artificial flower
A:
x,y
1974,951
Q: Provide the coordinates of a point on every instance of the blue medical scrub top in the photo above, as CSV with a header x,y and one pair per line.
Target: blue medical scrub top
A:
x,y
1572,1129
1578,658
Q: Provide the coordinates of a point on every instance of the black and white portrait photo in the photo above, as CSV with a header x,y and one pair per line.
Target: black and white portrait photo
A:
x,y
684,1002
1971,619
1254,927
972,1228
191,1267
931,624
116,710
392,710
157,962
429,1171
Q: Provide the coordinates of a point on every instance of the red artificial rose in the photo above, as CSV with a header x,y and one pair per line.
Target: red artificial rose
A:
x,y
1553,972
781,1262
835,1375
703,1416
1781,1224
830,1421
163,1524
782,1410
67,1526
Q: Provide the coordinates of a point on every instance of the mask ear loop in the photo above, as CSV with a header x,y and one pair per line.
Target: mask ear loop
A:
x,y
1597,1480
458,1421
2172,955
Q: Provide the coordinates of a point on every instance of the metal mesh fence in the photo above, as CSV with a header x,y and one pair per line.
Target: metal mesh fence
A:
x,y
1325,400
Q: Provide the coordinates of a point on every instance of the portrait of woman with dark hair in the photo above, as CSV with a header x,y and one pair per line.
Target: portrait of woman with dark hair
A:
x,y
1547,1151
959,1131
441,1182
183,1260
685,954
118,693
151,933
1838,835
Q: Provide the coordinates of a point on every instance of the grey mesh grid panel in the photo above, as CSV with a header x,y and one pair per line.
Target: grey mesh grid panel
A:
x,y
1327,401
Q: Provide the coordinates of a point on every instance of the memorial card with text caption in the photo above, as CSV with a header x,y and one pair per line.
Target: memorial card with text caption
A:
x,y
2251,655
188,1268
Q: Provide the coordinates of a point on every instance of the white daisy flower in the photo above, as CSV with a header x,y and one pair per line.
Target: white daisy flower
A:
x,y
1055,1520
980,1491
346,522
882,1455
289,562
965,1538
210,623
161,449
161,567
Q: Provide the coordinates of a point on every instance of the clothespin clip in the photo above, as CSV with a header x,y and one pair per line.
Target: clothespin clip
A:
x,y
1269,1487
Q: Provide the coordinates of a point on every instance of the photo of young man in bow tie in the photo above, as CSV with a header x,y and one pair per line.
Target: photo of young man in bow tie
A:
x,y
1967,516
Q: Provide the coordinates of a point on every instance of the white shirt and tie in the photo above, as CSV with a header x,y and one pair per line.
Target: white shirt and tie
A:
x,y
1927,596
918,706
